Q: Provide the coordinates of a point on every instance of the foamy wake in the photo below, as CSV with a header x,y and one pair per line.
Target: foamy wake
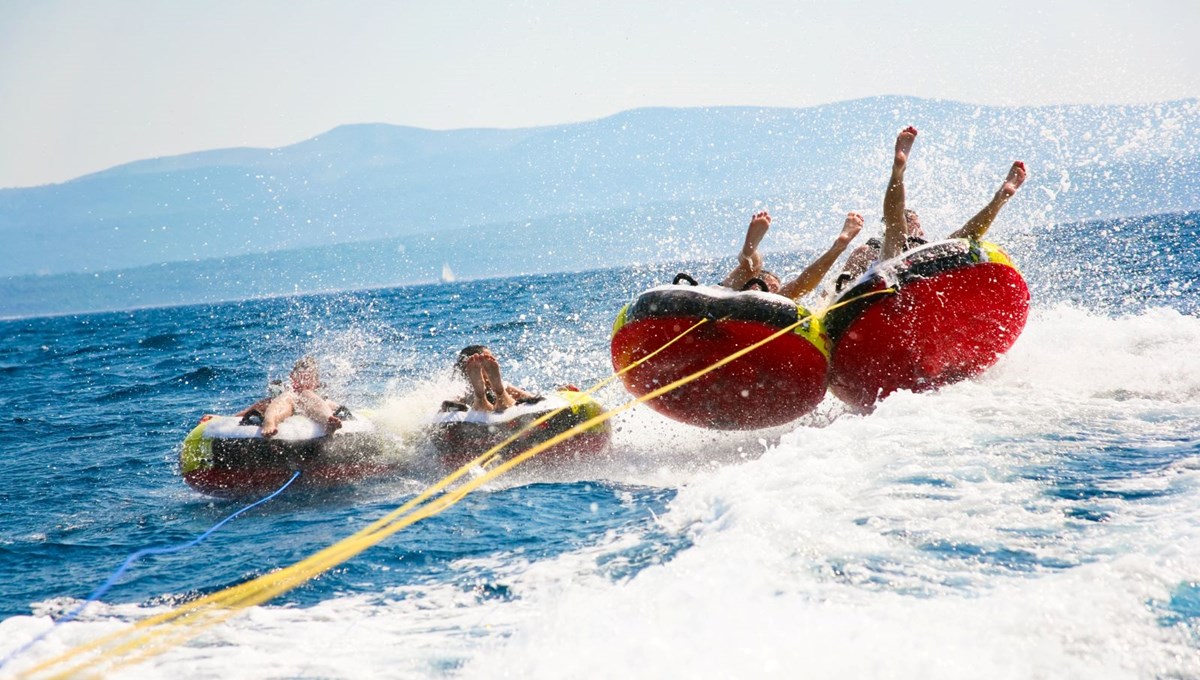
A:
x,y
939,537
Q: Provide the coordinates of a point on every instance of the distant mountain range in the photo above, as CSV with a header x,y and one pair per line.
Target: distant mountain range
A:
x,y
648,184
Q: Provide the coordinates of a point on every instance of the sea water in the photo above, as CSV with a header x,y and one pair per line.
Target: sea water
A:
x,y
1042,520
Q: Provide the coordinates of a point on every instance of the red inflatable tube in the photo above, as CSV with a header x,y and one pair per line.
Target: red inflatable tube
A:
x,y
772,385
956,309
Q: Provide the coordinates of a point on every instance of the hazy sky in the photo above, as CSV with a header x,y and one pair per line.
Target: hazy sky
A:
x,y
88,85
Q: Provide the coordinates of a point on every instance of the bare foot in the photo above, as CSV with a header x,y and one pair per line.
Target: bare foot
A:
x,y
749,260
904,144
759,225
269,431
474,371
333,424
491,369
1016,177
853,225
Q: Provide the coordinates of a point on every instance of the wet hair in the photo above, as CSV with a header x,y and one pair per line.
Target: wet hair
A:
x,y
909,216
466,353
908,212
765,281
305,363
771,280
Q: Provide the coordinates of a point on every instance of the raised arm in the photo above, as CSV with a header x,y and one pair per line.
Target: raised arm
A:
x,y
810,278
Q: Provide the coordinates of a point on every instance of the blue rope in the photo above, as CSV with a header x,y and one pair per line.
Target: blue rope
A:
x,y
112,580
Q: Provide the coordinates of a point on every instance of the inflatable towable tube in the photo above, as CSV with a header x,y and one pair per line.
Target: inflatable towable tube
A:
x,y
772,385
460,435
227,456
957,306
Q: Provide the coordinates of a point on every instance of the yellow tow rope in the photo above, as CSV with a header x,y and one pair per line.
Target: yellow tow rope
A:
x,y
185,622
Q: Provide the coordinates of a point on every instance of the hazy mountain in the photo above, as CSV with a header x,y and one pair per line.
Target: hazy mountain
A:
x,y
649,183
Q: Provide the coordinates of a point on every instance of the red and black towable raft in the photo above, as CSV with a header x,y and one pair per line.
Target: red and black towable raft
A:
x,y
957,306
772,385
460,434
227,456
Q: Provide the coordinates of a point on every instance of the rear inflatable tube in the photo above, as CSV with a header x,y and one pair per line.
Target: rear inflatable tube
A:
x,y
957,307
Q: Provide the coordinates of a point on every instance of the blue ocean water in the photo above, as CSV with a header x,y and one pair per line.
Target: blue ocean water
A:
x,y
1042,520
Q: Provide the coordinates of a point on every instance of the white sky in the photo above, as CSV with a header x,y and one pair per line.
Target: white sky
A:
x,y
88,85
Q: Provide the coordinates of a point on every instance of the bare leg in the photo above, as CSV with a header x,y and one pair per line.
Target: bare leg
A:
x,y
895,228
491,369
808,279
319,409
978,225
479,400
749,261
279,410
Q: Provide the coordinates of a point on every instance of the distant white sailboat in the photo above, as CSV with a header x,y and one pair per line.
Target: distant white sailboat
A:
x,y
447,273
